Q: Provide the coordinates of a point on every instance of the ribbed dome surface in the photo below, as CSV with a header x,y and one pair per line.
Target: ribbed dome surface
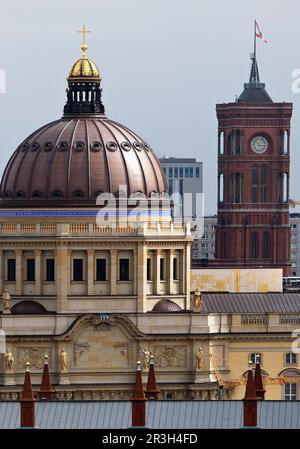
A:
x,y
165,305
84,69
72,160
28,308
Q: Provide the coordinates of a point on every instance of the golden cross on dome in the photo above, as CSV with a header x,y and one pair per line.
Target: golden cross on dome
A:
x,y
84,46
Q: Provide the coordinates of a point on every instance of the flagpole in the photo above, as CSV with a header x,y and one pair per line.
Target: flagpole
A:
x,y
255,40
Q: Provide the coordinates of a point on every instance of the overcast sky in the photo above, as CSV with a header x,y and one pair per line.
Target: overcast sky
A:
x,y
164,65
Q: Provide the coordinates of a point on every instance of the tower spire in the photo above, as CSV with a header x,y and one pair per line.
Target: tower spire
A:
x,y
254,74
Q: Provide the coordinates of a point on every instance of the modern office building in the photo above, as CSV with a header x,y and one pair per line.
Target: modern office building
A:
x,y
185,176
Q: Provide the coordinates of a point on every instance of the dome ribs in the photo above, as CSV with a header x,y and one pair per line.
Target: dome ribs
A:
x,y
105,159
89,179
148,157
54,156
118,177
70,159
142,174
40,153
54,160
23,176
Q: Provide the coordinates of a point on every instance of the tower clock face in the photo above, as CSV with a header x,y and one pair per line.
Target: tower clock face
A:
x,y
259,144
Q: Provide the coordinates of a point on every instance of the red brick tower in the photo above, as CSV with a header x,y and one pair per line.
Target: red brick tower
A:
x,y
253,179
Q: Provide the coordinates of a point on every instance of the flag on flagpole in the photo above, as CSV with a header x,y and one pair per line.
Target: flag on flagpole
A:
x,y
258,33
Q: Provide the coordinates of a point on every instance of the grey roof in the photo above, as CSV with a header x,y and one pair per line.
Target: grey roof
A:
x,y
178,159
251,302
160,414
255,93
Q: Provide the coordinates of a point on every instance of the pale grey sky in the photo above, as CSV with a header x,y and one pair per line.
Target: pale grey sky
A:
x,y
164,64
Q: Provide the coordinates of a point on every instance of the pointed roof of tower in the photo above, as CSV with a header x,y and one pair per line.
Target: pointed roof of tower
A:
x,y
254,91
250,394
138,391
260,391
151,389
27,394
46,390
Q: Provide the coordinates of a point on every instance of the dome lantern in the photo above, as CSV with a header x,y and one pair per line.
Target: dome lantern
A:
x,y
84,92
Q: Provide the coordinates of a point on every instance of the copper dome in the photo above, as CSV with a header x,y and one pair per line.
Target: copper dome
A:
x,y
28,308
165,305
71,160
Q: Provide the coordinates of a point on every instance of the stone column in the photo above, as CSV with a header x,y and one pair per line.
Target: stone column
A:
x,y
142,278
113,271
63,277
18,253
170,256
187,274
156,272
135,272
38,273
90,271
2,271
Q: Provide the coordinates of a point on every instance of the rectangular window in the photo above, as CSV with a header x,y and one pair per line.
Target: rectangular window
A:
x,y
30,265
291,358
170,172
50,270
176,172
149,269
290,392
162,269
11,270
100,269
170,186
78,270
181,172
124,269
191,172
197,172
186,172
175,269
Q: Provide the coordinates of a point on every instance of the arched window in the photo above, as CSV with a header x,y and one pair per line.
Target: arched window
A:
x,y
285,188
266,245
238,188
221,143
254,185
221,187
238,142
263,183
254,245
285,142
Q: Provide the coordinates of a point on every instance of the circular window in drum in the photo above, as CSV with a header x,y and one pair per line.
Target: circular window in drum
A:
x,y
25,146
35,146
63,145
137,146
96,146
147,147
111,146
48,146
126,146
79,146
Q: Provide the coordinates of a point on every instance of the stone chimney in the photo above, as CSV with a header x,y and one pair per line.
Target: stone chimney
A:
x,y
151,389
27,402
138,400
